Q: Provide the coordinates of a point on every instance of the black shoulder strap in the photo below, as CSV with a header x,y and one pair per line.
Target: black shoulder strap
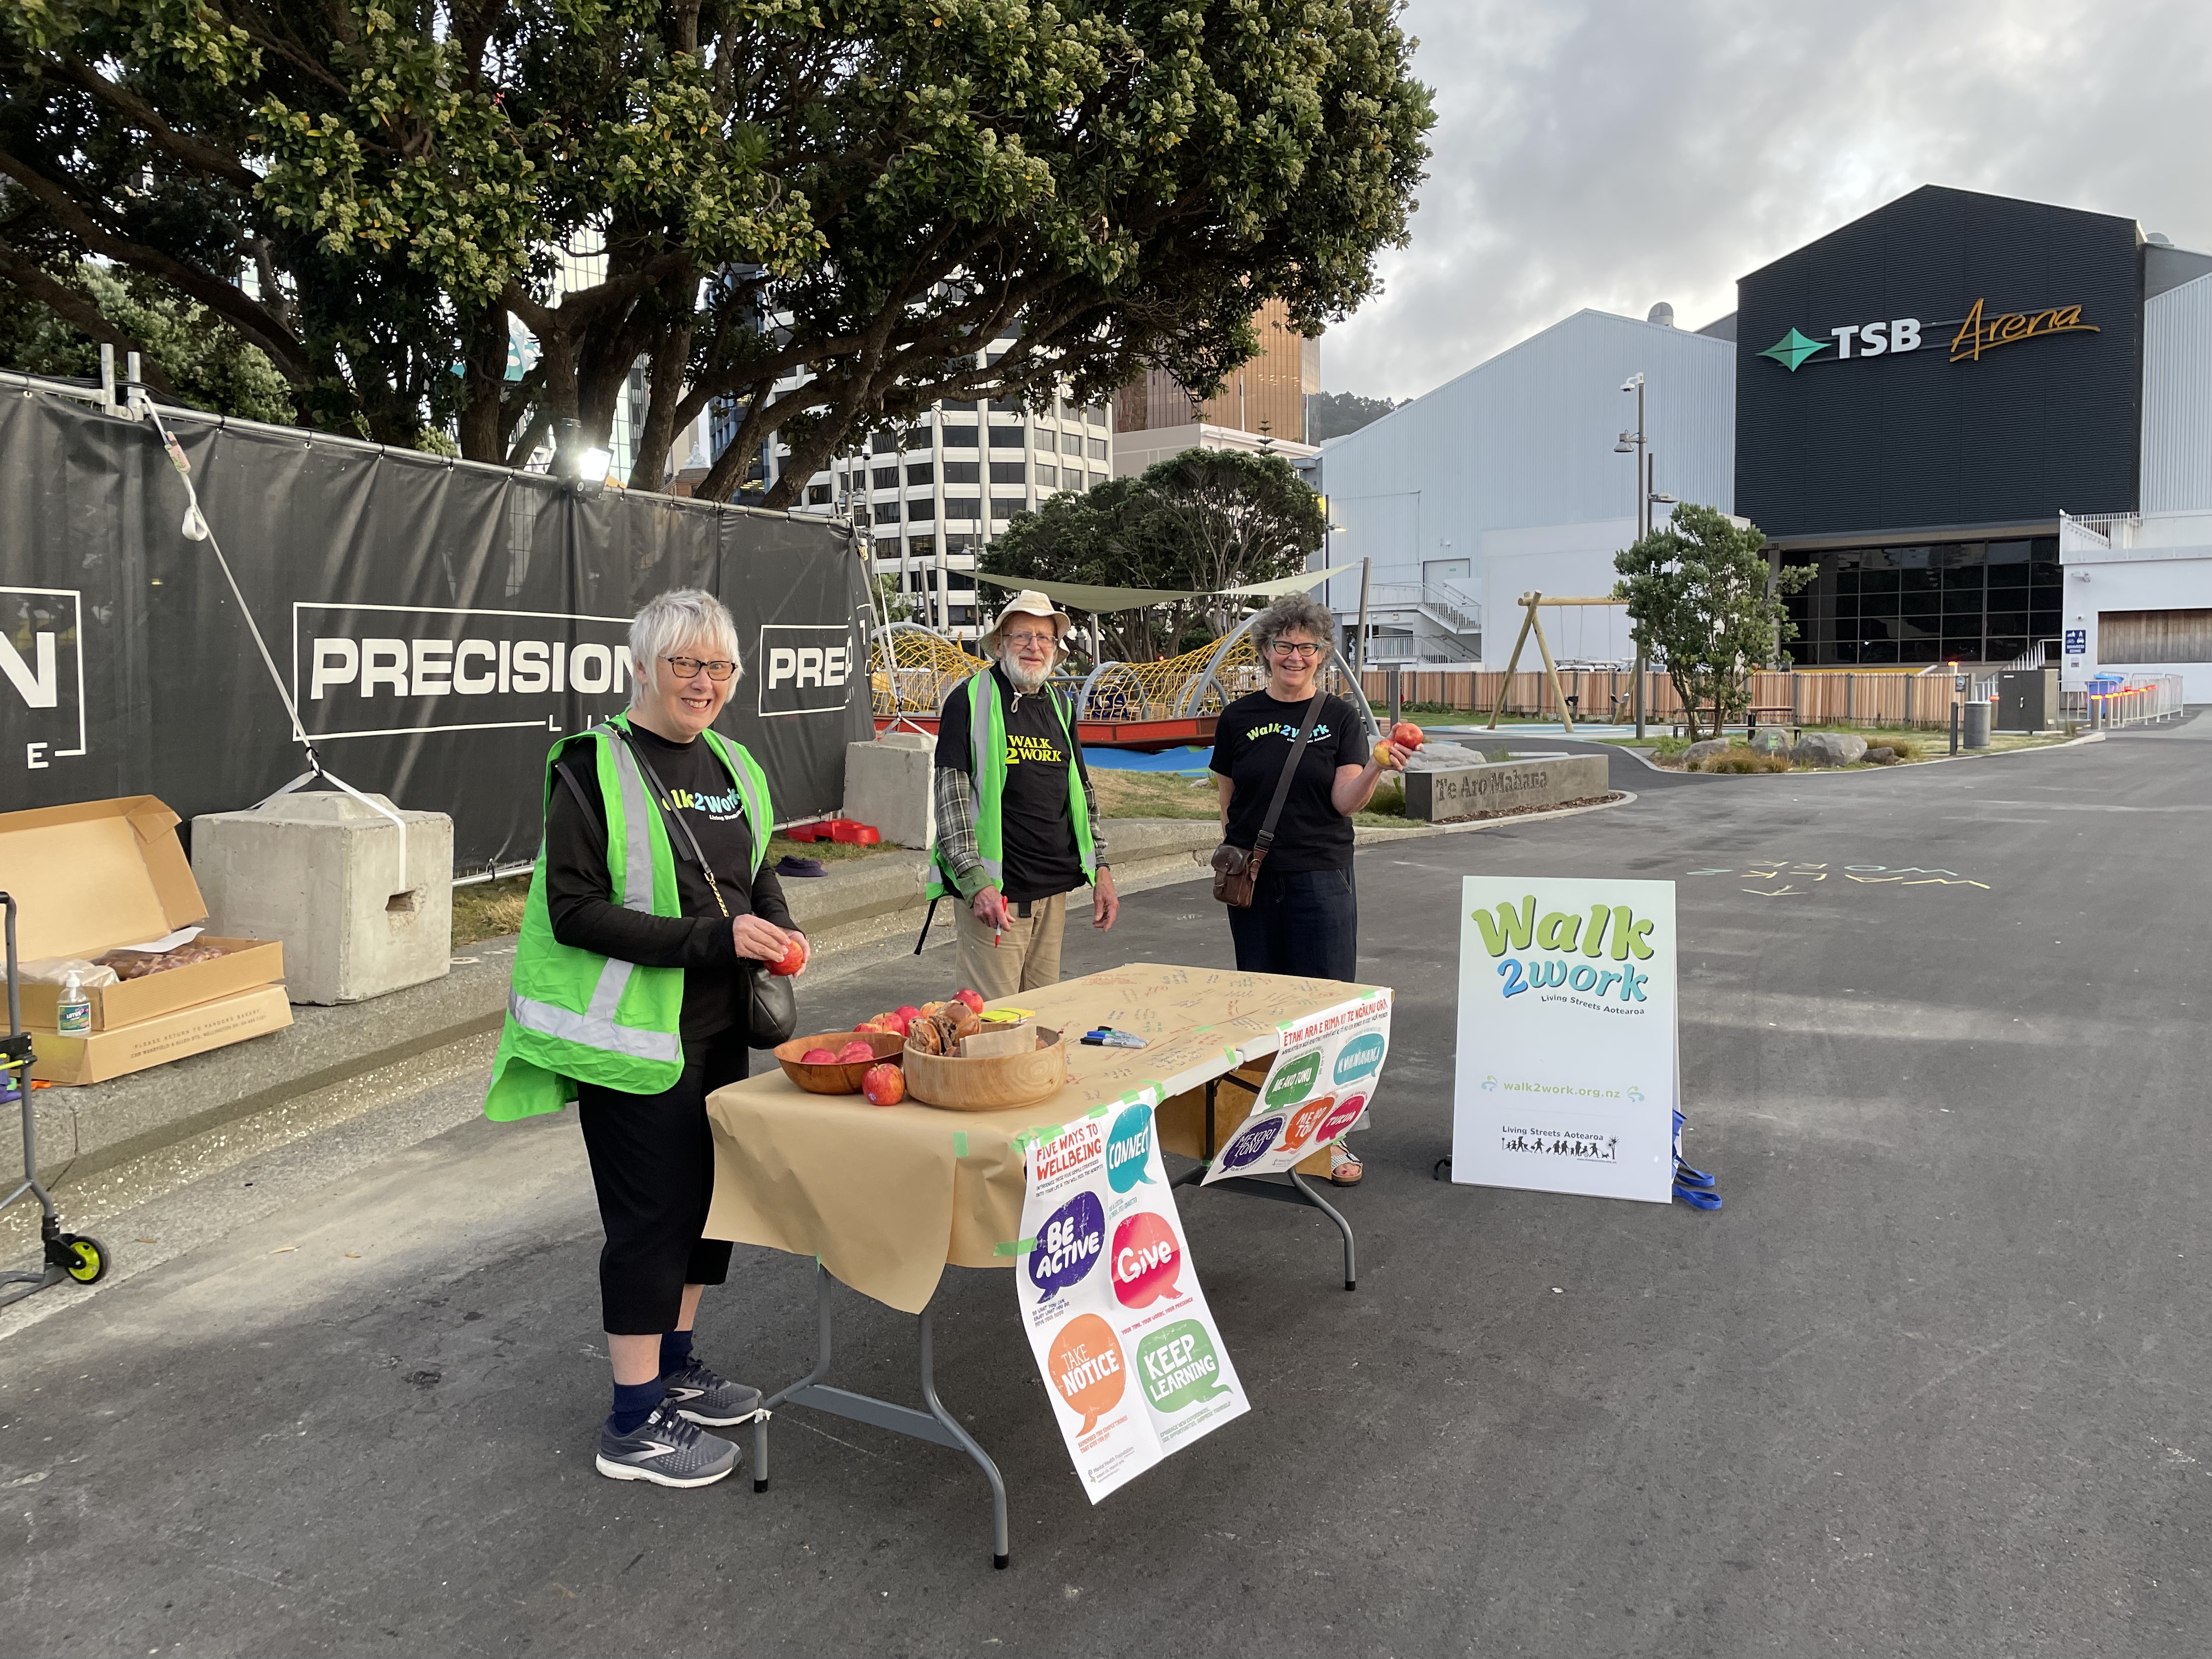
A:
x,y
1290,770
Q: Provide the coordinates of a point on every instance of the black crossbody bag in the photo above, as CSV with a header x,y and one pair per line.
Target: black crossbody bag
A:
x,y
1236,869
772,1005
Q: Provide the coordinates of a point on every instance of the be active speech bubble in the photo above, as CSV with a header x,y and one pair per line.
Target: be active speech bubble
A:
x,y
1178,1366
1251,1142
1147,1260
1068,1243
1289,1086
1361,1057
1086,1367
1129,1148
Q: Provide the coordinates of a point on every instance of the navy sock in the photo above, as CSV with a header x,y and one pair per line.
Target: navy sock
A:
x,y
633,1403
675,1350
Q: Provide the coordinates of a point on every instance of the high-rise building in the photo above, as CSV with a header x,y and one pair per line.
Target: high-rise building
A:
x,y
1261,406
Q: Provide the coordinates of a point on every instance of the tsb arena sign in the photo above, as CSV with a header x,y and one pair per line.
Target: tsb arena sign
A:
x,y
1978,332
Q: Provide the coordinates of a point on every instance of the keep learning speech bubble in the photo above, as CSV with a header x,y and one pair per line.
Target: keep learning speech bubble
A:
x,y
1178,1366
1129,1148
1146,1259
1087,1369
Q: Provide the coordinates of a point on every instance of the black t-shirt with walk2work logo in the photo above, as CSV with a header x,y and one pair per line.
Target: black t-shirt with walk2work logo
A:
x,y
1039,833
1251,741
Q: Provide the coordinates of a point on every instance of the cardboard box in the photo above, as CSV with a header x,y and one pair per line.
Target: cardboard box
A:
x,y
101,875
105,1055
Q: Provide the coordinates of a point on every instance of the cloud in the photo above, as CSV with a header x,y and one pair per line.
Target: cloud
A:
x,y
1611,154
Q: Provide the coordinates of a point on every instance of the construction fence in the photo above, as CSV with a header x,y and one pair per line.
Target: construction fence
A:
x,y
1778,697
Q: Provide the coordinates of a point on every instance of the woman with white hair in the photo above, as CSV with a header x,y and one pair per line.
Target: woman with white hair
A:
x,y
648,908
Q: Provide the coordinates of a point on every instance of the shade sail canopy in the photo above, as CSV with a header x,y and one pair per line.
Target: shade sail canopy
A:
x,y
1086,596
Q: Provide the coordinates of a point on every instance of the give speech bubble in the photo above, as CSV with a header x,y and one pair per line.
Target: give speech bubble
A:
x,y
1087,1368
1251,1142
1130,1148
1068,1243
1178,1366
1147,1260
1361,1057
1289,1084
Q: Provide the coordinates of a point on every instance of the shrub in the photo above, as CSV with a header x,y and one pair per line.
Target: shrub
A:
x,y
1743,758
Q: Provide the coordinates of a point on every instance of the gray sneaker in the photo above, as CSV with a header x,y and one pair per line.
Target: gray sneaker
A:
x,y
701,1395
666,1450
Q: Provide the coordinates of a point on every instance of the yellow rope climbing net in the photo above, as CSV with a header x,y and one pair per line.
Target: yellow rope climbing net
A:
x,y
923,669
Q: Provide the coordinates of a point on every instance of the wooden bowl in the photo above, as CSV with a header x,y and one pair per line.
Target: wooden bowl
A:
x,y
992,1085
838,1079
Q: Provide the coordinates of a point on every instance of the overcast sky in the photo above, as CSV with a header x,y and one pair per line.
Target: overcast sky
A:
x,y
1608,154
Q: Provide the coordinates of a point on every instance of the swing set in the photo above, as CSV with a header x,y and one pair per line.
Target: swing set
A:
x,y
1532,624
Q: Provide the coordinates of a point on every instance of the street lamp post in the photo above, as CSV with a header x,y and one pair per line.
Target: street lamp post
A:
x,y
1633,444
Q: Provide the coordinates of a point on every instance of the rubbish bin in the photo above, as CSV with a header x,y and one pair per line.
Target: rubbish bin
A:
x,y
1976,734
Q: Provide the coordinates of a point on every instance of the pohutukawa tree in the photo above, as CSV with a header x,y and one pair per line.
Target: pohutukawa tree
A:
x,y
1704,601
822,211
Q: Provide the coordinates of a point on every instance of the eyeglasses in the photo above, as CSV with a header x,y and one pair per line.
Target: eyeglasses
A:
x,y
1031,639
717,670
1287,648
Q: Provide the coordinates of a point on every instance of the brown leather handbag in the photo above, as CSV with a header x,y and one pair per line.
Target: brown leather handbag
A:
x,y
1236,869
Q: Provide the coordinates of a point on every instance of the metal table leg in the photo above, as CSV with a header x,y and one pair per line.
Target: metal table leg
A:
x,y
1299,1189
937,1425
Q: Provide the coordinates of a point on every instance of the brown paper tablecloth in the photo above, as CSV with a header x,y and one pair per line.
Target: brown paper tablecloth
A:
x,y
886,1196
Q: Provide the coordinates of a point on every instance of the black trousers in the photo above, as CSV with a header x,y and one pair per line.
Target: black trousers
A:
x,y
652,1164
1306,924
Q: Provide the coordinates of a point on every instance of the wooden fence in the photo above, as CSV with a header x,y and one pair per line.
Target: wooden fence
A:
x,y
1779,697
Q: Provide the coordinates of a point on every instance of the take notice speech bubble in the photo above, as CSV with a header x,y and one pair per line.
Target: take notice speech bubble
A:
x,y
1129,1148
1252,1141
1147,1261
1068,1244
1289,1085
1361,1057
1178,1366
1087,1369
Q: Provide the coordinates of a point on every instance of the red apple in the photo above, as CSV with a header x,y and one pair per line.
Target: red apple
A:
x,y
1407,735
855,1050
884,1085
907,1012
973,999
792,959
820,1057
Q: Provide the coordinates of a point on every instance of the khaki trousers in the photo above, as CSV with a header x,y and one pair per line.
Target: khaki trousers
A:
x,y
1025,956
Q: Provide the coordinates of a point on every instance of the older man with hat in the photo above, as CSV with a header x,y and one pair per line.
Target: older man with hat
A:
x,y
1017,819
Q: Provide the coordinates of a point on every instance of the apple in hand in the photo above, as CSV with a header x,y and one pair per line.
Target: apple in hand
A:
x,y
884,1085
1407,735
792,959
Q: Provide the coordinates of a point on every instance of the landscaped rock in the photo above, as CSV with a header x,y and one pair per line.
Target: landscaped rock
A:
x,y
1703,751
1768,740
1828,749
1885,756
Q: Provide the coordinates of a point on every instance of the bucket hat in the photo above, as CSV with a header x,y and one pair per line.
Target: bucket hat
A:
x,y
1027,603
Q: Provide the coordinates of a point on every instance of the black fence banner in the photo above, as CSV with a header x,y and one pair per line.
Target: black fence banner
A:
x,y
439,623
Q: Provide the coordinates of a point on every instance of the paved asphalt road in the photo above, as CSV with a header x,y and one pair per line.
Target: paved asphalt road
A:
x,y
1932,1383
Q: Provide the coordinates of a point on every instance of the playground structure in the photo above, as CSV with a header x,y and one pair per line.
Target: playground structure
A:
x,y
1533,624
1119,705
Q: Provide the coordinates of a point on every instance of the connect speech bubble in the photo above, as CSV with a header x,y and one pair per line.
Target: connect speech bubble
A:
x,y
1305,1120
1251,1141
1345,1114
1177,1365
1068,1244
1129,1148
1289,1086
1146,1261
1087,1368
1361,1057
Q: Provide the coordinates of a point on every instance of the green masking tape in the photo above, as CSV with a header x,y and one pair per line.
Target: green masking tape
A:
x,y
1014,1246
959,1143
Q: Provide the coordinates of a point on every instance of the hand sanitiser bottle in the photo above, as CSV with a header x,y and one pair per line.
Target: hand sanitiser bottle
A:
x,y
73,1014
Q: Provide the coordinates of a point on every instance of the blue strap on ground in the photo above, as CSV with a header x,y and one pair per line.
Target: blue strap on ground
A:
x,y
1698,1197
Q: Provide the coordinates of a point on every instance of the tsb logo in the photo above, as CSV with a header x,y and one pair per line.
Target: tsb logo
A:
x,y
806,668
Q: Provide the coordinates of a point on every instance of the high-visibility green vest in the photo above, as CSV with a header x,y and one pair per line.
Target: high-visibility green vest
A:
x,y
576,1017
987,769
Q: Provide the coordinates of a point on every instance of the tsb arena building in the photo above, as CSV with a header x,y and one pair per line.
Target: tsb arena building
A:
x,y
1986,423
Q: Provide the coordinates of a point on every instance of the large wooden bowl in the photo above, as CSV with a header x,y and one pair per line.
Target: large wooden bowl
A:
x,y
991,1084
840,1079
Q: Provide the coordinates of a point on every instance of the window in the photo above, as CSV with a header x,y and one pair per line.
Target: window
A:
x,y
1047,475
958,546
916,438
885,477
922,472
1071,443
1005,507
920,509
958,506
962,471
960,581
1097,449
817,494
963,615
1012,472
1096,416
960,434
1098,478
887,513
1005,405
1008,437
884,443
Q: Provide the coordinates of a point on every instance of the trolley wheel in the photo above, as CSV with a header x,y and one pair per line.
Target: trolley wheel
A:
x,y
88,1260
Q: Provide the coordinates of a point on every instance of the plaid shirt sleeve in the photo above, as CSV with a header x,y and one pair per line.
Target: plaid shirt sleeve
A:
x,y
955,794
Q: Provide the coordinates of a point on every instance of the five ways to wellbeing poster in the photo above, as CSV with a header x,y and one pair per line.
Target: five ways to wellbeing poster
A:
x,y
1568,1069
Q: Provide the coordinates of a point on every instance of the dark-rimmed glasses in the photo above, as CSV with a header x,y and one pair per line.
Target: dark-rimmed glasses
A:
x,y
717,669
